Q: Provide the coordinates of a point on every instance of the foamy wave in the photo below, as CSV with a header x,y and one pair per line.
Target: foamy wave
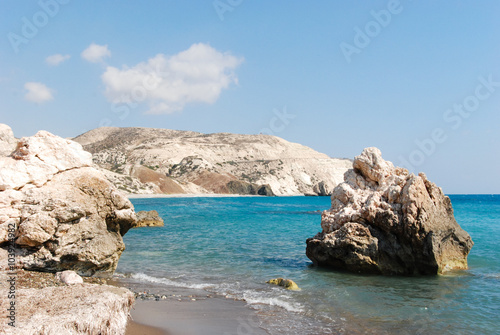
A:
x,y
166,281
273,301
250,296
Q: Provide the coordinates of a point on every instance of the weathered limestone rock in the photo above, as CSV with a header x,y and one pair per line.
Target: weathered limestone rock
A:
x,y
148,219
66,214
7,140
38,158
388,221
76,309
322,189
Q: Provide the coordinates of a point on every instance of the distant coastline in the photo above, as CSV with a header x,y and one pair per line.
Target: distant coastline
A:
x,y
210,195
163,161
200,195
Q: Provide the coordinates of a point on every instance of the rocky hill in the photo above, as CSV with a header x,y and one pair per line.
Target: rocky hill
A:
x,y
146,160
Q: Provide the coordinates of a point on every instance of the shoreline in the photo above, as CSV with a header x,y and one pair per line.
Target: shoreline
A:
x,y
212,316
171,310
214,195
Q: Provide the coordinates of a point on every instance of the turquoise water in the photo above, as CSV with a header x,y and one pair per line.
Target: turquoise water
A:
x,y
233,245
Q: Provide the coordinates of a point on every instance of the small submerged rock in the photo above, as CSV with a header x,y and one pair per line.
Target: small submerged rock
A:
x,y
286,283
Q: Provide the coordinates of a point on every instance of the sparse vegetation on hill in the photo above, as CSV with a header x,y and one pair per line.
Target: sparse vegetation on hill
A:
x,y
190,162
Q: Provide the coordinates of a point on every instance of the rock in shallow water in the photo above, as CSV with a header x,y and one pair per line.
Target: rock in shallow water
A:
x,y
148,219
385,220
286,283
61,212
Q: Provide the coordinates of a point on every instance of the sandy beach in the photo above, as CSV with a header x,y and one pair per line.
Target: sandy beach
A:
x,y
213,316
183,311
134,328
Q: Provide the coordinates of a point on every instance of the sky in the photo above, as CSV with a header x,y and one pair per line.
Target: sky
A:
x,y
420,80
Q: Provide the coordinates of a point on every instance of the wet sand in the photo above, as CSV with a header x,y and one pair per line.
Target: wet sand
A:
x,y
184,311
134,328
214,316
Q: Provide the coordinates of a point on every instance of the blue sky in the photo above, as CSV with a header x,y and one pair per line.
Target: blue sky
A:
x,y
418,79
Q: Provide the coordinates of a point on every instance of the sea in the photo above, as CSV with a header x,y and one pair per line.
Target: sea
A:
x,y
230,246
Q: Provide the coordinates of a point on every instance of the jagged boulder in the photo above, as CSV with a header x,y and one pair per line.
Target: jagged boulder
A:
x,y
59,211
385,220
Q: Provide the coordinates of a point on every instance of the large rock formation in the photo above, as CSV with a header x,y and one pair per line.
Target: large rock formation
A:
x,y
386,220
60,211
170,161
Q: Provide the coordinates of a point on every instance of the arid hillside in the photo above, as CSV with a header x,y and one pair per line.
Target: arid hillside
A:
x,y
147,160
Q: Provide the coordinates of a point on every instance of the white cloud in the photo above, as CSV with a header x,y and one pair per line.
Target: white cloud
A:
x,y
56,59
96,53
38,92
168,83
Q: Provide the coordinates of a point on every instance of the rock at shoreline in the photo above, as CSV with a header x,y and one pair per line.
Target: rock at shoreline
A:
x,y
286,283
322,189
244,188
148,219
76,309
62,213
385,220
